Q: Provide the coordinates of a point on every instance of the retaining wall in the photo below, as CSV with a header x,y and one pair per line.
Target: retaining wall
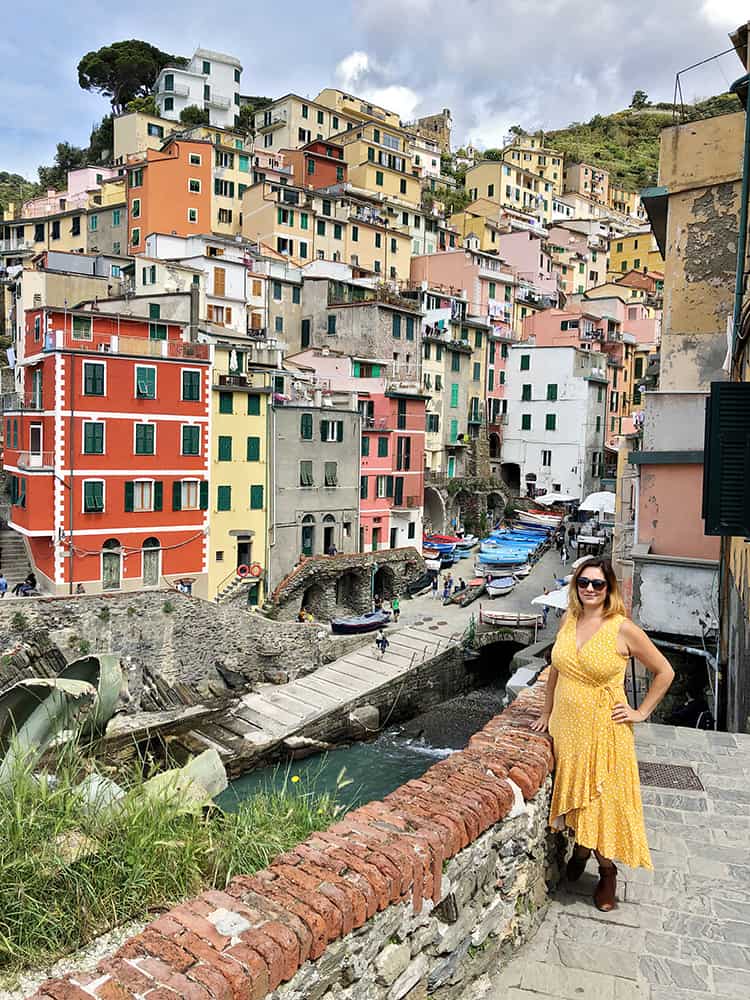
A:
x,y
408,897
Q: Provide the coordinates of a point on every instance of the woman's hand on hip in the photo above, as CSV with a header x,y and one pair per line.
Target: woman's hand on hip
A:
x,y
624,713
541,725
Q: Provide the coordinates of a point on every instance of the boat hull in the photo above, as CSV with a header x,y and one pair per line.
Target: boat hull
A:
x,y
362,624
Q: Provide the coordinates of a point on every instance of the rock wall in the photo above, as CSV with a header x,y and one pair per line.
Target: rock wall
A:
x,y
409,897
176,649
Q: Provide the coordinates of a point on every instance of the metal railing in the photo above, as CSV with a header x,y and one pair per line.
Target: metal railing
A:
x,y
20,401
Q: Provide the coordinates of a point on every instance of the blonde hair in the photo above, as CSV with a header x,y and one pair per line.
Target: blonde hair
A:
x,y
613,602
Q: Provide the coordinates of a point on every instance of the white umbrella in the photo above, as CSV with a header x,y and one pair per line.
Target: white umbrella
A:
x,y
602,503
549,498
233,361
555,599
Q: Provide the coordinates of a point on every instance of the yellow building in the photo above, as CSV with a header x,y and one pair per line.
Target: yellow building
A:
x,y
137,131
510,186
530,153
357,108
638,251
238,512
480,219
291,121
379,163
627,202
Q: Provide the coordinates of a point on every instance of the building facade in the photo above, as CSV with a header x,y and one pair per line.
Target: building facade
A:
x,y
211,81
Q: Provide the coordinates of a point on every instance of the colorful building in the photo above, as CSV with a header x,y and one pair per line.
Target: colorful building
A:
x,y
210,81
510,185
318,164
637,251
106,446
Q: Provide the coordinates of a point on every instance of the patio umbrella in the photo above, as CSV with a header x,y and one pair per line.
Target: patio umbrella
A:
x,y
555,599
602,502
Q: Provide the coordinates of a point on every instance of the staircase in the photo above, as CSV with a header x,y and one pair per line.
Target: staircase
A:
x,y
14,561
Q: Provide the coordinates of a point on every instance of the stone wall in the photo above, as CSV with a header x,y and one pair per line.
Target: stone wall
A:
x,y
176,649
409,897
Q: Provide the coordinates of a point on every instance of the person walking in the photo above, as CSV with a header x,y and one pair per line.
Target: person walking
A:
x,y
396,608
434,584
382,643
563,553
3,585
596,793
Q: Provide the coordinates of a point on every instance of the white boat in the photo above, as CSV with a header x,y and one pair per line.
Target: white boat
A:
x,y
513,619
500,586
537,520
521,571
494,572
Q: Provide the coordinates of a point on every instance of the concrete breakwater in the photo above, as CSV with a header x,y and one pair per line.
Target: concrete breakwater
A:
x,y
419,893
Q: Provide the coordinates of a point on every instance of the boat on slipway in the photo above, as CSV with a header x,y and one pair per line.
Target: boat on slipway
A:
x,y
360,624
500,586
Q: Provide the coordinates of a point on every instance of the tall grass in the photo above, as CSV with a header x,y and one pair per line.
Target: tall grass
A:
x,y
68,873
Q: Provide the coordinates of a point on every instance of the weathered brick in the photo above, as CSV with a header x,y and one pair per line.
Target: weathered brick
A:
x,y
112,990
524,781
150,942
166,976
126,973
238,980
310,917
63,989
255,969
329,870
272,953
188,917
288,942
309,895
274,911
216,985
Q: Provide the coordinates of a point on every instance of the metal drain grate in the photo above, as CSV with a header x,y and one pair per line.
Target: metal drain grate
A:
x,y
669,776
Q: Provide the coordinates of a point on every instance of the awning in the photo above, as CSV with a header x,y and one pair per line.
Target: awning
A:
x,y
601,503
555,599
550,498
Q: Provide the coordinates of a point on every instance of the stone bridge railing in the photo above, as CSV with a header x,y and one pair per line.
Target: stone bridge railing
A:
x,y
416,894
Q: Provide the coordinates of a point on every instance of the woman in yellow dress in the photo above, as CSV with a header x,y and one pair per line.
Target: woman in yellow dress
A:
x,y
597,789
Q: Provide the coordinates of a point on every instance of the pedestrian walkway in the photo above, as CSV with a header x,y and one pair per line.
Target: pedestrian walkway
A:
x,y
681,932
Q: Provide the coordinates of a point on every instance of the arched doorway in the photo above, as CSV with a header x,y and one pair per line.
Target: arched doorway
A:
x,y
314,600
385,583
494,445
308,535
510,473
329,532
434,510
495,507
351,587
111,564
151,562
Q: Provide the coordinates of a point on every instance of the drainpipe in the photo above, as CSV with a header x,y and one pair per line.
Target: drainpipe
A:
x,y
737,88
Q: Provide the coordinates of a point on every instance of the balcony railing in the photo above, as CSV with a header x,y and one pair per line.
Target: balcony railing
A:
x,y
21,401
132,346
32,461
178,89
218,101
277,119
240,381
11,246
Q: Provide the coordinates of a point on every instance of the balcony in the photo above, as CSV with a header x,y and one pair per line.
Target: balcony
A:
x,y
15,246
408,503
277,119
218,101
257,332
178,89
131,346
11,401
36,461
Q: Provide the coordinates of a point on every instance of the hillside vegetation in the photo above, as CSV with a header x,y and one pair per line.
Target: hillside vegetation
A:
x,y
627,143
14,188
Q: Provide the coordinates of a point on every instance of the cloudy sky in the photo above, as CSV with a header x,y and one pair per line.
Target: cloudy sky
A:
x,y
494,63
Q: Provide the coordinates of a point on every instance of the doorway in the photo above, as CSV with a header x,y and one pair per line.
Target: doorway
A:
x,y
329,533
394,537
151,561
35,446
308,534
375,539
111,565
244,549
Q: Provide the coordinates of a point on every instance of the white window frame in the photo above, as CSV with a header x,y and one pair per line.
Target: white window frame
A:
x,y
194,180
190,213
155,370
199,372
141,423
98,479
195,159
94,420
133,241
187,484
200,439
135,213
381,481
142,483
101,364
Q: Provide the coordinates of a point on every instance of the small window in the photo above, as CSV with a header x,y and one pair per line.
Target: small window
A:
x,y
331,325
194,159
256,498
382,447
253,449
192,217
93,437
306,427
145,382
191,440
226,400
525,362
550,422
552,391
93,496
379,178
93,378
194,185
191,386
331,474
306,473
225,448
525,421
224,498
82,328
145,439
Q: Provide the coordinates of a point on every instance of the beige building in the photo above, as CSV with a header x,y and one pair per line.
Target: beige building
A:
x,y
292,121
356,109
136,132
511,187
530,153
592,182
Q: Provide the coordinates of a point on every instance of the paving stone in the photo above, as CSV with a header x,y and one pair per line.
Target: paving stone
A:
x,y
732,982
626,989
608,961
668,972
598,933
731,909
573,984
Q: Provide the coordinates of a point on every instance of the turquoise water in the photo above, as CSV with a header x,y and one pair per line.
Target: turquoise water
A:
x,y
374,769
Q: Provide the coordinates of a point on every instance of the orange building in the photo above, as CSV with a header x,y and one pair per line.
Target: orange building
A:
x,y
319,164
106,448
169,191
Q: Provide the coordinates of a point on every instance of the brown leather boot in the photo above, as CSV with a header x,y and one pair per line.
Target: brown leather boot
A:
x,y
604,894
577,864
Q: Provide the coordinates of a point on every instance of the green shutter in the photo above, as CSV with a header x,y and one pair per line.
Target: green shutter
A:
x,y
225,402
454,394
552,391
256,498
726,468
323,430
339,430
525,362
396,324
253,449
177,495
365,446
225,448
306,426
550,422
129,490
158,494
454,431
204,494
382,447
389,486
253,406
224,498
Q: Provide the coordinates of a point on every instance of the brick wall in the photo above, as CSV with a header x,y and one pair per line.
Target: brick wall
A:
x,y
418,893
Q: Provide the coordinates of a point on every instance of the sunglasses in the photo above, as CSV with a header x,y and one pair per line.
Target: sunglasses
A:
x,y
584,582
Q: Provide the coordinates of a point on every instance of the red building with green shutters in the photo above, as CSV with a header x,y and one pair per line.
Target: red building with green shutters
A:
x,y
106,450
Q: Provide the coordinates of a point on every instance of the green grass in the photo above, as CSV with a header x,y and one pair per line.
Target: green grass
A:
x,y
67,876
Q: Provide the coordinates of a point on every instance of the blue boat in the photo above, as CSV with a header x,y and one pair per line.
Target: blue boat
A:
x,y
361,623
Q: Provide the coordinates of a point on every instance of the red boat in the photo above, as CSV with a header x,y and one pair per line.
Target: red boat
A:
x,y
440,539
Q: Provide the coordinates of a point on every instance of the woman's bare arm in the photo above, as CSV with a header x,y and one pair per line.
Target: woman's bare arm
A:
x,y
640,646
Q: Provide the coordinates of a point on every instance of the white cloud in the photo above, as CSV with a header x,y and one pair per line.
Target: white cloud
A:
x,y
359,73
726,13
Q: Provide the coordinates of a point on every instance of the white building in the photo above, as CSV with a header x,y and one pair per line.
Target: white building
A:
x,y
234,288
557,407
211,81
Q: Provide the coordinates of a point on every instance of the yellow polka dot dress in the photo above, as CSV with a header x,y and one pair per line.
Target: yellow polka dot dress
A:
x,y
597,789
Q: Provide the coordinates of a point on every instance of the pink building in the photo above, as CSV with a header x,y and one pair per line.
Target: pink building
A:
x,y
525,251
393,438
82,184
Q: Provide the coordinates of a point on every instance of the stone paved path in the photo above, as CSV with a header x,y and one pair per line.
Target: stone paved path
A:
x,y
263,718
681,932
